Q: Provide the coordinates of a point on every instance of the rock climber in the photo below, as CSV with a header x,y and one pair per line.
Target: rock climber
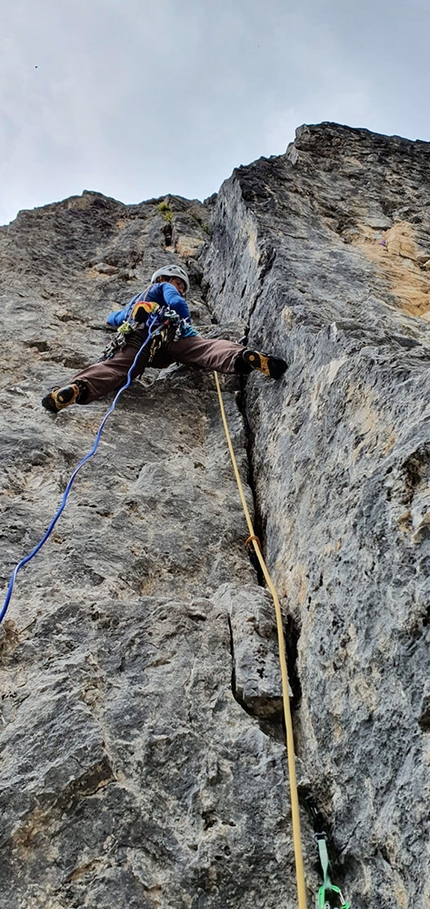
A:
x,y
177,342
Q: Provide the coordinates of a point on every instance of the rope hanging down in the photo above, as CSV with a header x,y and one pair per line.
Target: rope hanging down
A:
x,y
301,887
151,323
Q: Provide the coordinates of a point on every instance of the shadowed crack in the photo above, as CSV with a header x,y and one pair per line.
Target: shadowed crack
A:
x,y
291,627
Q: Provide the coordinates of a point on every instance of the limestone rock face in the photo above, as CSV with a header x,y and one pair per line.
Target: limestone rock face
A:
x,y
142,751
138,657
331,247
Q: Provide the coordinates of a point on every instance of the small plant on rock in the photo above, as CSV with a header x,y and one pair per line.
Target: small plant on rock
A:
x,y
167,211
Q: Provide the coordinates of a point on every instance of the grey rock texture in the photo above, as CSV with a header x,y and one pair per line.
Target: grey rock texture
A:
x,y
142,751
133,772
330,265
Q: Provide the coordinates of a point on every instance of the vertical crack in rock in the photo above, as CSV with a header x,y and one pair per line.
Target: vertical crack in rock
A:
x,y
265,263
340,470
233,662
292,637
168,231
255,678
291,626
121,645
272,724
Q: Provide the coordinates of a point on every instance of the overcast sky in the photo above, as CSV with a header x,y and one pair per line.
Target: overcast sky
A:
x,y
139,98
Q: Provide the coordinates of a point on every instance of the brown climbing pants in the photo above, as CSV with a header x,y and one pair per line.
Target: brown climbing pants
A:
x,y
205,353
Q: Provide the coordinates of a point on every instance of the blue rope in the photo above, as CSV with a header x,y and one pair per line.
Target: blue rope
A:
x,y
150,324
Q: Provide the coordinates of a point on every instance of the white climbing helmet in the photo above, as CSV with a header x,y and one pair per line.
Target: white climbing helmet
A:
x,y
172,271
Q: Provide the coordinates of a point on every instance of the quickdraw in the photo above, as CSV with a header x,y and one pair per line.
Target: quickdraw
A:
x,y
118,342
329,896
167,330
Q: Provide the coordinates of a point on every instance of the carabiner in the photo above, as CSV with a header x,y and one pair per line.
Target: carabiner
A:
x,y
324,901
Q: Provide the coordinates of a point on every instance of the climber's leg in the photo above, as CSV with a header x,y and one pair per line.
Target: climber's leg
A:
x,y
222,356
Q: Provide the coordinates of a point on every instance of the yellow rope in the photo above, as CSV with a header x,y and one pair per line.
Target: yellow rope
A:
x,y
301,887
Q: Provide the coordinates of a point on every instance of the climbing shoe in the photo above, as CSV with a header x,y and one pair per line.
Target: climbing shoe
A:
x,y
60,398
274,367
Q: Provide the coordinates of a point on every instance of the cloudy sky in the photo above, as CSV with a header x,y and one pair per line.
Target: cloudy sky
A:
x,y
139,98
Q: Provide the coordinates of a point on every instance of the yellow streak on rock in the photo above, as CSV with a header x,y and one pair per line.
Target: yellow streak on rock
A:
x,y
188,246
368,421
35,826
252,242
93,273
403,263
292,584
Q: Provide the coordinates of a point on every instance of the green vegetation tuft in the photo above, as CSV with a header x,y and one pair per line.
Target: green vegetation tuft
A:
x,y
167,212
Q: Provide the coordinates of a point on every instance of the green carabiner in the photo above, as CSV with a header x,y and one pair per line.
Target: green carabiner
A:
x,y
329,896
324,902
125,328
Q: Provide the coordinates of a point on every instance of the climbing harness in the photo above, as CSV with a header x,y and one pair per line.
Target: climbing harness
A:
x,y
157,327
168,328
301,887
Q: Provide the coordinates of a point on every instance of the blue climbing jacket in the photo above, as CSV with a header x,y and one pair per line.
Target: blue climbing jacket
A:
x,y
164,294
